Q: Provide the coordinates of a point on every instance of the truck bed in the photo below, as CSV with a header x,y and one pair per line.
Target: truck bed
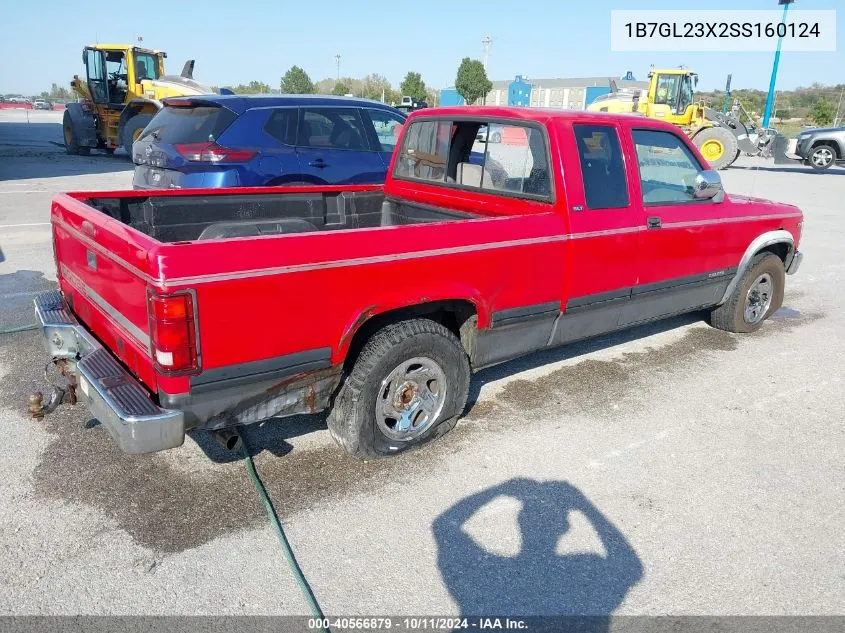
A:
x,y
180,218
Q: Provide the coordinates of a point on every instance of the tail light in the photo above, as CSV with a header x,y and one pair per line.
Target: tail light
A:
x,y
173,333
213,153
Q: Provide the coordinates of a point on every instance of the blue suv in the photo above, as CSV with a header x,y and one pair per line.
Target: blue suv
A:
x,y
265,140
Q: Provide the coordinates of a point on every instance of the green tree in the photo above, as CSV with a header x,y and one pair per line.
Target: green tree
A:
x,y
297,81
471,82
822,112
374,86
413,86
340,89
782,113
60,92
252,88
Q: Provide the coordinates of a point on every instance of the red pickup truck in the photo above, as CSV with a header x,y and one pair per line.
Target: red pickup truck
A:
x,y
206,309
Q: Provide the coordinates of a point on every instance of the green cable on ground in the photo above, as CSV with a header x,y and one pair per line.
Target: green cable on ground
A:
x,y
280,533
19,328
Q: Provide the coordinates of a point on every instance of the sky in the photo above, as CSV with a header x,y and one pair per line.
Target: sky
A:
x,y
235,42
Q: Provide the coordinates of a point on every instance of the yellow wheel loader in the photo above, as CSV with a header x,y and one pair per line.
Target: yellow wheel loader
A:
x,y
122,90
721,138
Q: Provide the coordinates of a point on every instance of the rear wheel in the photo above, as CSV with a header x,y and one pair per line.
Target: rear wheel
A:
x,y
132,130
71,138
718,146
407,387
822,157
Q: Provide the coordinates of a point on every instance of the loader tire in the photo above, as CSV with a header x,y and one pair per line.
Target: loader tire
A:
x,y
132,130
718,146
71,137
407,387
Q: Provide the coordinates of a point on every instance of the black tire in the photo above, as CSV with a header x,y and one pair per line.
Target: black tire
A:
x,y
131,129
731,315
723,136
353,421
71,137
822,157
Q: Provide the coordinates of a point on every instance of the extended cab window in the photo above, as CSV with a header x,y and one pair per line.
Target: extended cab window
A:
x,y
515,160
500,157
602,166
667,167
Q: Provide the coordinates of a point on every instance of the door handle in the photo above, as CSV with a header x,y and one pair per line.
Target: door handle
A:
x,y
318,163
654,223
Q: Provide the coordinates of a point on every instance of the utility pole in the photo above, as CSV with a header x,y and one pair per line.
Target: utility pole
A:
x,y
767,113
337,59
487,42
838,107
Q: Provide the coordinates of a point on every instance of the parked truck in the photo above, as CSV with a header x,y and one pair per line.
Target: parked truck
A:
x,y
207,309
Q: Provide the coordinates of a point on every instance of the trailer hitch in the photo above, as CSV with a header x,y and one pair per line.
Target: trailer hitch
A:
x,y
35,401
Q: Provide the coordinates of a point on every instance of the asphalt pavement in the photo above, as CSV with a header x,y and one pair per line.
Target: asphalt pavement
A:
x,y
669,469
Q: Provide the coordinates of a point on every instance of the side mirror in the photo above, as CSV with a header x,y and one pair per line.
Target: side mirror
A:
x,y
708,186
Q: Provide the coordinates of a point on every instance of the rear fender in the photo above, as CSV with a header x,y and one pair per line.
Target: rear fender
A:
x,y
759,244
83,125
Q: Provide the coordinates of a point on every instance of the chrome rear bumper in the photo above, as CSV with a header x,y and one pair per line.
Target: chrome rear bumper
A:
x,y
114,396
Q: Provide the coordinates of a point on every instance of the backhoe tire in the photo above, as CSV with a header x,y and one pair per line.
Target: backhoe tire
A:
x,y
71,137
757,295
407,387
132,130
718,146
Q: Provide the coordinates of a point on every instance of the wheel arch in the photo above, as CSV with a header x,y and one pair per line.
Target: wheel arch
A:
x,y
461,316
832,143
137,106
779,242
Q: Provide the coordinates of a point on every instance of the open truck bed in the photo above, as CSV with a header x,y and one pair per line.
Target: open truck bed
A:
x,y
277,282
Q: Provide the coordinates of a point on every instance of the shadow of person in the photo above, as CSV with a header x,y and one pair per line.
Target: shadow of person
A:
x,y
537,581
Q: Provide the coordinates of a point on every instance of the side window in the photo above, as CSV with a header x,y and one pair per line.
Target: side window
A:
x,y
425,151
387,126
515,160
667,167
281,125
332,128
602,166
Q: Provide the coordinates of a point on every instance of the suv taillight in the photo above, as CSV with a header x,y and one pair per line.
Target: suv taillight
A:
x,y
173,333
213,153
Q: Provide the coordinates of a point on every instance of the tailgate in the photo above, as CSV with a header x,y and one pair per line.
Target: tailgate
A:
x,y
104,272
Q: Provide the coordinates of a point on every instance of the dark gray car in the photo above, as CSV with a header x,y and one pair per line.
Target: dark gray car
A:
x,y
822,148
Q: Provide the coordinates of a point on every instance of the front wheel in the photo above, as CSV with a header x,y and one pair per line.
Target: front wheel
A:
x,y
71,137
757,295
822,157
408,386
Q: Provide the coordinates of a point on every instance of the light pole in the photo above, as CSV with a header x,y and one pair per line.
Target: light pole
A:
x,y
767,113
337,59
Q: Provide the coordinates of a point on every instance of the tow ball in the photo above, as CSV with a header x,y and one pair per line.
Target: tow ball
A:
x,y
35,402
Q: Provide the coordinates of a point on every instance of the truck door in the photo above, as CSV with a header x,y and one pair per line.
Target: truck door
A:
x,y
678,231
603,246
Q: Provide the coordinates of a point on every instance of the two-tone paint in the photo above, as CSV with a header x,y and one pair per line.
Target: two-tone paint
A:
x,y
531,273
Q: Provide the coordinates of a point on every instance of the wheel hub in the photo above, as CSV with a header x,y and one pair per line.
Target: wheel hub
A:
x,y
712,149
758,299
822,156
411,399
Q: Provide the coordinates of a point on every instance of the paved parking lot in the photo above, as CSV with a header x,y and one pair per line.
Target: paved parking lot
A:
x,y
668,469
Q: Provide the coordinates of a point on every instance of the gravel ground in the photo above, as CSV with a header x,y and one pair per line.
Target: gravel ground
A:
x,y
668,469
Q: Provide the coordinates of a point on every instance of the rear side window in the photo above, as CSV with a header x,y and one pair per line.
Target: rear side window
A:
x,y
667,167
189,125
281,125
425,151
332,128
602,166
